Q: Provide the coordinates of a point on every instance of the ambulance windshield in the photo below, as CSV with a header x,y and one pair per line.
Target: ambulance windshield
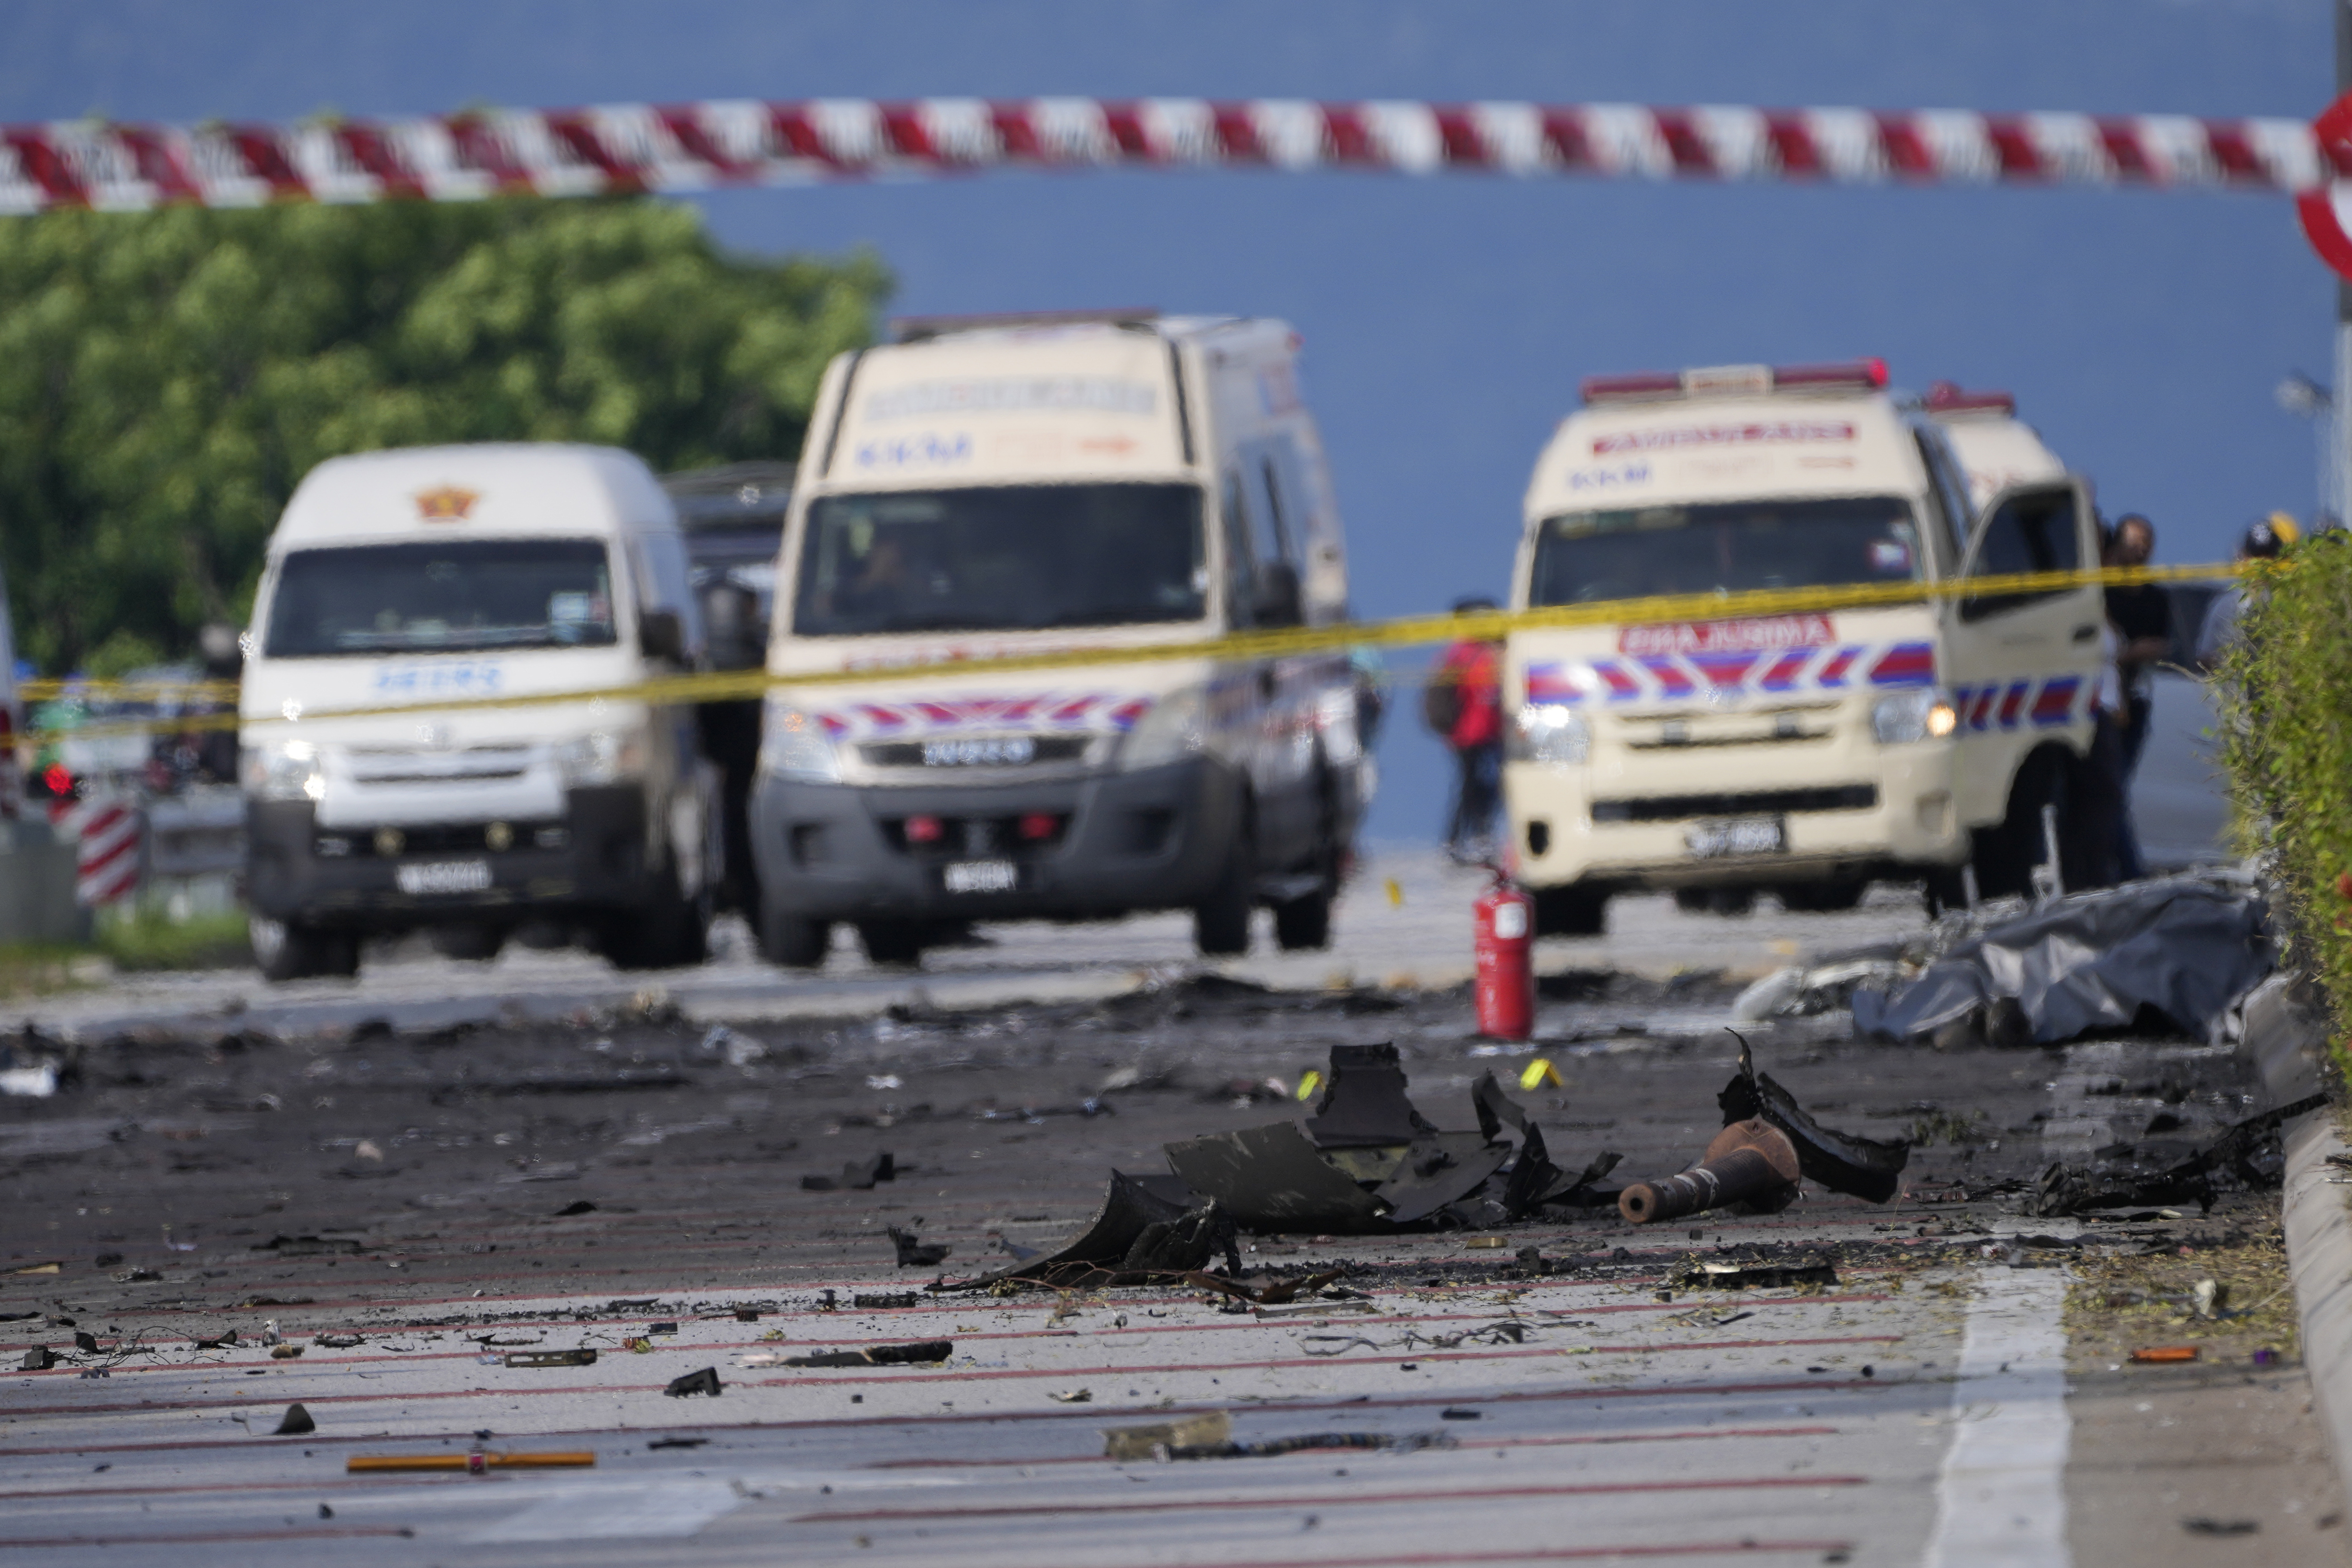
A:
x,y
1001,558
1810,542
445,597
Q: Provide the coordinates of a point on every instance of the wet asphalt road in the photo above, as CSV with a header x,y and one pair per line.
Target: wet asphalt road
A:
x,y
411,1184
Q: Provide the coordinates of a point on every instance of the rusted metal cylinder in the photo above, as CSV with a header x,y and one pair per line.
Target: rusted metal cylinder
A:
x,y
1749,1161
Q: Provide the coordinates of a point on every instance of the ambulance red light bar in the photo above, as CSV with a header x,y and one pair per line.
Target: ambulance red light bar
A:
x,y
1944,397
1736,381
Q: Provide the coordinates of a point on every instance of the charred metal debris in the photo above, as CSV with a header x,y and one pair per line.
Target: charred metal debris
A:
x,y
1366,1160
2249,1155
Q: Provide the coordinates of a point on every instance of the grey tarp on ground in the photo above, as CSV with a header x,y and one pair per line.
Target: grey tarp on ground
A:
x,y
2186,946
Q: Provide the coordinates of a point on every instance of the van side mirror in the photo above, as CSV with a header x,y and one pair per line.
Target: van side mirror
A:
x,y
1277,595
660,636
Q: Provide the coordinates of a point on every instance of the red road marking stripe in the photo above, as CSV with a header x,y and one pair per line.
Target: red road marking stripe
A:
x,y
1558,1554
1311,1500
365,1483
965,1419
212,1537
971,1374
1594,1438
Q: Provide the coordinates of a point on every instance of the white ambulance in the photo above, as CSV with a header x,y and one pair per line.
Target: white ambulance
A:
x,y
468,571
1075,485
1994,448
1806,752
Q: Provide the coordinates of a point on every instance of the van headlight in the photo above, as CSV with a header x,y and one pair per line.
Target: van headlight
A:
x,y
1548,733
793,745
600,757
1925,714
283,770
1173,728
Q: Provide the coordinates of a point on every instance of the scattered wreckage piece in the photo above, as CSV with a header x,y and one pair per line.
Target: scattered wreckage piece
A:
x,y
474,1462
1155,1222
295,1423
856,1175
914,1252
2247,1152
1368,1161
703,1382
922,1352
1721,1274
1274,1293
2183,948
1751,1162
1158,1439
1866,1168
583,1357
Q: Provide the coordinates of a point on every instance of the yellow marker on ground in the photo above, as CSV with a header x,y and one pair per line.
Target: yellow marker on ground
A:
x,y
1396,893
1308,1084
1540,1073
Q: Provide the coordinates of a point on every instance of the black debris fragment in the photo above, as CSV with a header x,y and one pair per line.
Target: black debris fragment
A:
x,y
307,1245
577,1206
85,1342
922,1352
916,1253
1364,1104
40,1358
677,1443
1867,1168
1377,1441
583,1357
703,1382
2249,1153
856,1175
884,1300
1719,1274
296,1423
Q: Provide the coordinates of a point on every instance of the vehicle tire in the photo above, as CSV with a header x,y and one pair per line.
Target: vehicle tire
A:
x,y
1822,898
794,942
1303,924
470,941
285,949
1571,910
1221,921
670,931
897,943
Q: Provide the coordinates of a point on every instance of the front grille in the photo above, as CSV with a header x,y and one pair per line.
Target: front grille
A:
x,y
440,839
389,765
1759,803
997,751
976,838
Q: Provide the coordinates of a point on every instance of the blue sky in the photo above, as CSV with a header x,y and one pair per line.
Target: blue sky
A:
x,y
1447,321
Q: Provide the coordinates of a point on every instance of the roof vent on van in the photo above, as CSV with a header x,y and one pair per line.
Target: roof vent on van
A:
x,y
922,329
1736,381
1944,397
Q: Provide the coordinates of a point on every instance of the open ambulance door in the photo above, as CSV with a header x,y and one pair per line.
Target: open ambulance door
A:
x,y
2023,667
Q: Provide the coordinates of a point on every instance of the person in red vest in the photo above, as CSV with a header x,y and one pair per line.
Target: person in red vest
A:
x,y
1464,703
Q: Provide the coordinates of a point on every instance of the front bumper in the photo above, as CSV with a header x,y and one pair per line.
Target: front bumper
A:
x,y
1895,819
1155,838
595,858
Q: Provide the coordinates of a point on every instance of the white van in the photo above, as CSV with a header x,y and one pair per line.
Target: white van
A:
x,y
1994,448
1806,752
1073,485
470,572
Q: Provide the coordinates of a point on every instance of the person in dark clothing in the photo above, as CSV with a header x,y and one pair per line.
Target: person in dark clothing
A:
x,y
2141,615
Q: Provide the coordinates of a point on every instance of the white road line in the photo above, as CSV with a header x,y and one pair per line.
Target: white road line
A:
x,y
671,1509
2001,1499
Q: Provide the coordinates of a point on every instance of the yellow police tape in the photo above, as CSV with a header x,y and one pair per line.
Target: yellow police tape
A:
x,y
1273,643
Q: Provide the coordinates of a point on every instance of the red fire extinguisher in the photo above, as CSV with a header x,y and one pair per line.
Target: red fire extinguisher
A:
x,y
1504,927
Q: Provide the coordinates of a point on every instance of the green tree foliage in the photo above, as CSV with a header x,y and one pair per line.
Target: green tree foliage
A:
x,y
2288,747
166,378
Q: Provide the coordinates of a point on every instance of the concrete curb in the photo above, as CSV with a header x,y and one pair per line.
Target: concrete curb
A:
x,y
2286,1033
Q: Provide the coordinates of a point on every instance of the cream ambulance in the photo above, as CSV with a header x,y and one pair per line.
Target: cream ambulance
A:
x,y
1993,447
1806,752
1093,485
469,572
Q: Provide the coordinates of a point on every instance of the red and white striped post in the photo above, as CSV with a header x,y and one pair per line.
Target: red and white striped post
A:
x,y
106,835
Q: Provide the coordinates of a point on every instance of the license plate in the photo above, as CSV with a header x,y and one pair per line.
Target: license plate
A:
x,y
443,877
982,877
1741,835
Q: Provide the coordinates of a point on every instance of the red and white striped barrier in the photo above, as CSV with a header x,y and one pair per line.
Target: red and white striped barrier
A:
x,y
699,146
105,835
